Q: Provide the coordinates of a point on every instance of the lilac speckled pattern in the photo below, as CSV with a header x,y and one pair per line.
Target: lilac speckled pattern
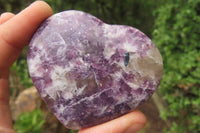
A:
x,y
89,72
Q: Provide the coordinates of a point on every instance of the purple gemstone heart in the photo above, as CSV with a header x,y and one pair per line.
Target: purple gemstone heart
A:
x,y
89,72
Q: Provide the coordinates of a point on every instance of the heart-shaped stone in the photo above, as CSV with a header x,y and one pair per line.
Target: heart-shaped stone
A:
x,y
89,72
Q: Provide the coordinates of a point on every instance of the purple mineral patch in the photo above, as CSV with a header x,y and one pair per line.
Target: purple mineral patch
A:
x,y
89,72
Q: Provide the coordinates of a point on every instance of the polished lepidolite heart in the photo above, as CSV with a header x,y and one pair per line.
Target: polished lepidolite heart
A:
x,y
89,72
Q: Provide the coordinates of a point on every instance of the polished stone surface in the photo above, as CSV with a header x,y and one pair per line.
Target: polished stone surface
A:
x,y
89,72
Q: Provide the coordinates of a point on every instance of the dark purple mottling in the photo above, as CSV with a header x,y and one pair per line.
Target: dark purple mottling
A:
x,y
89,72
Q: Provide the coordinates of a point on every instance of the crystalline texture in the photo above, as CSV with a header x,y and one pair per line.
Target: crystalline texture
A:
x,y
89,72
